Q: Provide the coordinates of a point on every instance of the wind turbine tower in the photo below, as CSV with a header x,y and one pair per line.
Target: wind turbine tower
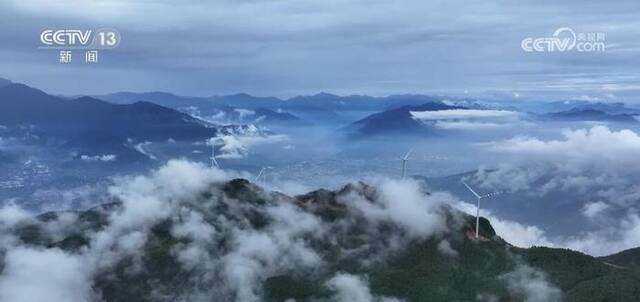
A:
x,y
478,196
404,163
214,162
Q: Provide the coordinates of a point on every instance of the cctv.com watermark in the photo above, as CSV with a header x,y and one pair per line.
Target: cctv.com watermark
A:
x,y
565,39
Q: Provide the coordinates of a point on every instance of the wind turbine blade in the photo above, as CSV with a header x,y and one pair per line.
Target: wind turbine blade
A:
x,y
470,189
258,176
406,157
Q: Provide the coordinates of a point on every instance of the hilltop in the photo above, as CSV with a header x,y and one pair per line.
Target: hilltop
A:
x,y
185,240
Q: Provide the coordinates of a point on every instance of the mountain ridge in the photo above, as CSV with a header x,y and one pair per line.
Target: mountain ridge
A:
x,y
92,126
441,267
589,114
398,120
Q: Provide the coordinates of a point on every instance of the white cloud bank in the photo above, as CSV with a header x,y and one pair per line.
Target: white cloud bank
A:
x,y
101,158
459,114
403,203
235,141
468,119
352,288
596,159
531,285
234,147
44,275
599,167
598,145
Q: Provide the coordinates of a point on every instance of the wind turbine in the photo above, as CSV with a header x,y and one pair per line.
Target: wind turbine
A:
x,y
478,196
404,163
263,173
214,162
257,178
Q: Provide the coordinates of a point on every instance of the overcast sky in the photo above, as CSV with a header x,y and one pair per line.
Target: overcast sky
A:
x,y
287,47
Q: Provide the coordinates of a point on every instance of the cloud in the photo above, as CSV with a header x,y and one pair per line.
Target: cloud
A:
x,y
172,192
146,200
468,119
352,288
623,235
463,114
191,225
595,170
10,214
597,145
102,158
44,275
141,148
230,247
291,188
592,209
237,146
55,199
512,177
445,248
176,179
530,285
619,234
403,203
218,246
596,163
242,113
257,254
231,43
464,125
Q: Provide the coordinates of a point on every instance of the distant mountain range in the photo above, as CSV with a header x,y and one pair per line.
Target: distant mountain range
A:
x,y
586,114
327,102
232,115
377,111
92,124
395,121
611,108
401,121
318,108
161,98
237,108
243,100
372,115
542,107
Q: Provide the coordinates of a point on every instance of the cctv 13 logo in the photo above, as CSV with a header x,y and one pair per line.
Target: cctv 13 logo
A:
x,y
79,38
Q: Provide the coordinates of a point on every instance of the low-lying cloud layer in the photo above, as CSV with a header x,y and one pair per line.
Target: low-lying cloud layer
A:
x,y
598,146
235,142
531,285
468,119
597,166
350,288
